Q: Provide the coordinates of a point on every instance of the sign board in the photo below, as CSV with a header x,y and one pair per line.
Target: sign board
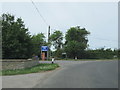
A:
x,y
63,53
44,48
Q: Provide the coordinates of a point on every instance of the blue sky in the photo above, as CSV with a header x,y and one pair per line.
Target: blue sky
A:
x,y
99,18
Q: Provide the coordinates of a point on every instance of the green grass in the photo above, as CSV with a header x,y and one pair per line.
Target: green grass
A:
x,y
39,68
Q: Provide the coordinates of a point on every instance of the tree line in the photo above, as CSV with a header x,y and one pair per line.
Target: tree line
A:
x,y
17,42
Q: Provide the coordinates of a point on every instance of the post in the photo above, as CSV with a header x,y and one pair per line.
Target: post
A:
x,y
48,43
41,54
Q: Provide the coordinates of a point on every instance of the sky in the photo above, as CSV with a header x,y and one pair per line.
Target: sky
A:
x,y
99,18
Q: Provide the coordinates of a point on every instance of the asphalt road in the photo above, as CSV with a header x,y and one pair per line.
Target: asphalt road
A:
x,y
93,74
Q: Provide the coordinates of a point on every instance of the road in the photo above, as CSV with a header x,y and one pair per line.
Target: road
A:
x,y
71,74
96,74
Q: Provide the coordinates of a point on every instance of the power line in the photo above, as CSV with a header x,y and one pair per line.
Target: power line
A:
x,y
39,13
54,29
103,39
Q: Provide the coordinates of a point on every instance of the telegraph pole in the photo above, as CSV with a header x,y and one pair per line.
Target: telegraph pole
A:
x,y
48,52
48,33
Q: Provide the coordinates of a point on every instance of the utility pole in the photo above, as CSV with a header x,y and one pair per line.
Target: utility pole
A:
x,y
48,33
48,52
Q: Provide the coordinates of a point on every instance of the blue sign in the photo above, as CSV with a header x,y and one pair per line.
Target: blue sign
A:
x,y
44,48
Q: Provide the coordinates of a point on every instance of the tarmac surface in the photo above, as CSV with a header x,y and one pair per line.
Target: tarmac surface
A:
x,y
71,74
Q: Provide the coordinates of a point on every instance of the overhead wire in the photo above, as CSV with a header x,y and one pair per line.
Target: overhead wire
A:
x,y
39,13
103,39
54,29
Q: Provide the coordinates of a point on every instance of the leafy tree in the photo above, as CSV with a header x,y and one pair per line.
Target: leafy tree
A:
x,y
16,41
0,37
118,53
37,41
74,49
56,40
76,42
101,53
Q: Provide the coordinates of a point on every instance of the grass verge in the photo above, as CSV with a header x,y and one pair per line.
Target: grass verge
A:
x,y
39,68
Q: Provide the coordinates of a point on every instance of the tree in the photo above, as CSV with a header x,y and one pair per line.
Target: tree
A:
x,y
16,41
0,37
101,53
118,53
76,42
56,40
37,41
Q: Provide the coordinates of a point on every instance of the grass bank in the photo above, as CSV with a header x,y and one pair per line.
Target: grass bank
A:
x,y
39,68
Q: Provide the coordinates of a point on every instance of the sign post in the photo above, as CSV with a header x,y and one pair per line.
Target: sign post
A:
x,y
43,50
48,52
